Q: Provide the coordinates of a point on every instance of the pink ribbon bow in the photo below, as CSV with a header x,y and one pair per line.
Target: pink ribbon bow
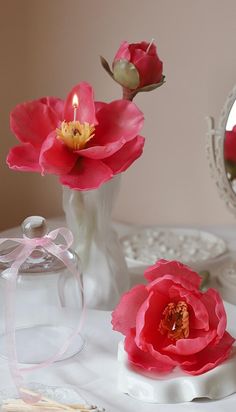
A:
x,y
15,259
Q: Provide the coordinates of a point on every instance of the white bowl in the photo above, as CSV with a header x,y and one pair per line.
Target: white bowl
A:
x,y
199,249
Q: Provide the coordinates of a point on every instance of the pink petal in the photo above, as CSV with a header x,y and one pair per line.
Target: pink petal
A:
x,y
99,106
86,108
121,160
162,285
148,318
166,358
87,174
56,104
119,120
196,342
165,283
24,158
199,317
145,360
130,303
56,157
183,274
211,356
150,67
144,46
215,307
149,338
123,52
32,122
101,152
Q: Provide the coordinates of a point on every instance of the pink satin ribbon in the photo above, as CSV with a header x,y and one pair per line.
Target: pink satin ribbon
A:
x,y
15,259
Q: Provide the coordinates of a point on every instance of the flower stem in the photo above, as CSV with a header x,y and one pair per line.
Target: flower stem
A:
x,y
128,94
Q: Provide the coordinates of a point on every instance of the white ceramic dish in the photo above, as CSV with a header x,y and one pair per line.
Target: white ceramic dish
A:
x,y
177,386
195,248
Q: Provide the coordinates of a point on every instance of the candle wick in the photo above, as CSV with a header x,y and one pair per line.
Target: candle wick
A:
x,y
147,50
149,46
75,111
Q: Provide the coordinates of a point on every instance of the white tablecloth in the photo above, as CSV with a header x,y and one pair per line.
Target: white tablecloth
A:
x,y
94,370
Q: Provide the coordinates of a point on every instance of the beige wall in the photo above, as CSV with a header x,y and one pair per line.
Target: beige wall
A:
x,y
49,45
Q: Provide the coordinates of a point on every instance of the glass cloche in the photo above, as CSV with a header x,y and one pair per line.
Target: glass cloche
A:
x,y
47,302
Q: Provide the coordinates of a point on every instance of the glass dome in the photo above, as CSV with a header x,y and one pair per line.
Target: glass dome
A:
x,y
48,302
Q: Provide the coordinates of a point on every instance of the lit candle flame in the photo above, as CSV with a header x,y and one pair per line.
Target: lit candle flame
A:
x,y
75,101
75,104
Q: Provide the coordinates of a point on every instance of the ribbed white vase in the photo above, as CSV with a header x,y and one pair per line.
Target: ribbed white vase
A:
x,y
88,215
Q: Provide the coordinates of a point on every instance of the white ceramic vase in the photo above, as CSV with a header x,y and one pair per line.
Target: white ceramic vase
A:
x,y
88,215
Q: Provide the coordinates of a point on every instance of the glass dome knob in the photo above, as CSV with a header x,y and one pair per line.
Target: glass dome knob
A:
x,y
34,226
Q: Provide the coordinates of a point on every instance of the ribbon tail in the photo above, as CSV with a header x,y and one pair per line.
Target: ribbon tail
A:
x,y
10,299
10,328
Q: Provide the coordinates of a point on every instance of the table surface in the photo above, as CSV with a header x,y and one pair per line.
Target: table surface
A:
x,y
94,371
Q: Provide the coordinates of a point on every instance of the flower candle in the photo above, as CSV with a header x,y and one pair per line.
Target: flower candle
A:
x,y
75,104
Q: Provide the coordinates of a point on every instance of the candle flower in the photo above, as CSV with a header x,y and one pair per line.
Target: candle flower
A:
x,y
136,67
85,143
171,323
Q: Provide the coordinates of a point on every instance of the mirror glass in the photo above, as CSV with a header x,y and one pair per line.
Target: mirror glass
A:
x,y
230,147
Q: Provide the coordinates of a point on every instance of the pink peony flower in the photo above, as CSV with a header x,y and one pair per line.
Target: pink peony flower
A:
x,y
143,57
230,145
84,152
169,322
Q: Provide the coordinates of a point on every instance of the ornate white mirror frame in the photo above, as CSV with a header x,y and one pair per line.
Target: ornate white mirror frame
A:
x,y
215,153
226,274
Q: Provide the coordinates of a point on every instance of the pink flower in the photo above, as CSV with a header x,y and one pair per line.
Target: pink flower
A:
x,y
169,322
230,145
142,57
102,141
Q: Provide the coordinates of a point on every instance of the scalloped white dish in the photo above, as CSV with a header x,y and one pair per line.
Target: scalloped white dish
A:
x,y
177,386
193,247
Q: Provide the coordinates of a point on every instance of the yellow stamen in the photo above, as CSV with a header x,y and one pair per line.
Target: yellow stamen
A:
x,y
75,134
175,322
